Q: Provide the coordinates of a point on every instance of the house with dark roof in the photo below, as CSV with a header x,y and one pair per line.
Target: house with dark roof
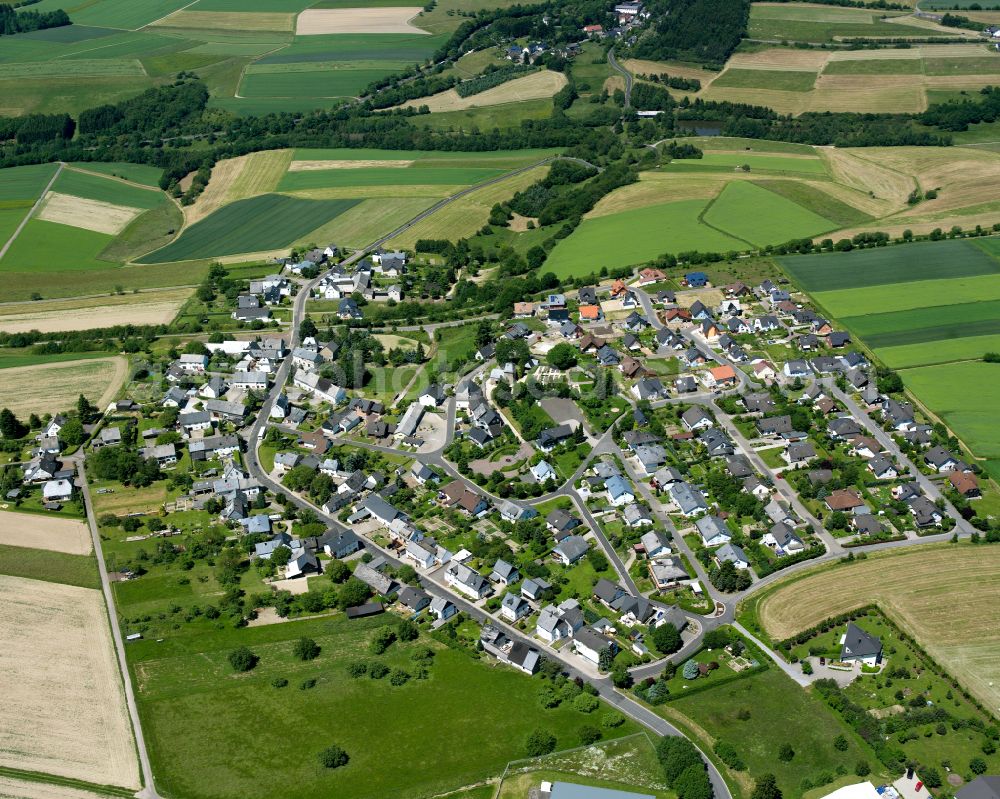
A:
x,y
860,646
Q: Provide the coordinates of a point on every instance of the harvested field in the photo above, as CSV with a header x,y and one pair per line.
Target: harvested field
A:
x,y
369,220
311,166
659,187
50,388
64,706
937,595
784,102
889,186
45,532
147,308
228,21
535,86
94,215
11,788
900,93
638,66
780,59
321,21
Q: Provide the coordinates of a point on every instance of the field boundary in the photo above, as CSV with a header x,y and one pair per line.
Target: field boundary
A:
x,y
65,782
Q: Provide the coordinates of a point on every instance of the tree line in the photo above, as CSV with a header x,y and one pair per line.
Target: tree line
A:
x,y
13,21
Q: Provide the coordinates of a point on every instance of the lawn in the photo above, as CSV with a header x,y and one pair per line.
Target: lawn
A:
x,y
53,567
260,223
966,396
637,236
762,217
905,263
207,726
779,712
311,86
875,66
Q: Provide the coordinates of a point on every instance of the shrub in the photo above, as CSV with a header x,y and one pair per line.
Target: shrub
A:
x,y
333,757
407,631
357,669
242,659
727,754
840,743
540,742
977,765
305,649
862,769
399,677
589,734
786,753
306,684
931,777
384,636
690,670
586,703
612,719
377,670
279,682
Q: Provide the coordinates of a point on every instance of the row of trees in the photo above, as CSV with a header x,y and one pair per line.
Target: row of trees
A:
x,y
13,21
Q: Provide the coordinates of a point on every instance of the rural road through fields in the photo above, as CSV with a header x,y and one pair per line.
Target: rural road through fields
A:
x,y
624,73
31,212
149,789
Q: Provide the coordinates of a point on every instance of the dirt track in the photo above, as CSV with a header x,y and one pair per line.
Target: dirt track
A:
x,y
64,705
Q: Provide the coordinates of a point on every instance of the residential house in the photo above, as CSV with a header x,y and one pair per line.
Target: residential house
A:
x,y
655,545
458,495
783,540
571,549
713,531
697,418
590,644
619,491
514,607
730,553
442,609
558,622
860,646
798,454
688,499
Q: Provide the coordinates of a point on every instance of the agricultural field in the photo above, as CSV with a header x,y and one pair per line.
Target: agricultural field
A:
x,y
931,310
194,707
759,216
153,307
821,24
535,86
39,531
935,595
64,711
51,388
264,223
795,81
12,788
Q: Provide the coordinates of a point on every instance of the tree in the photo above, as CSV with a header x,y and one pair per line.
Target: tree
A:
x,y
337,570
407,630
73,433
562,356
589,734
840,743
305,649
690,670
242,659
862,769
977,765
281,555
676,754
333,757
786,753
666,639
931,777
384,636
539,743
693,783
10,425
86,410
307,328
621,677
353,592
766,787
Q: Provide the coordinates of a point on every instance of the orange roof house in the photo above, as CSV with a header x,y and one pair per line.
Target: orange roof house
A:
x,y
721,375
590,313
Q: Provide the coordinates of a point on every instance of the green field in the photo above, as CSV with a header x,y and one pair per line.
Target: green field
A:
x,y
369,220
637,236
759,216
385,176
500,159
885,265
919,294
966,395
24,183
53,567
780,80
261,223
823,24
779,712
875,66
50,247
127,14
106,189
135,173
208,727
927,324
816,200
310,85
756,161
963,348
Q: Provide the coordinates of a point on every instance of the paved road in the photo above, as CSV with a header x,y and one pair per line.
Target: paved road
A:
x,y
31,213
624,73
149,791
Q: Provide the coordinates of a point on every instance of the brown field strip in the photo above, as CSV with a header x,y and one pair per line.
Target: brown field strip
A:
x,y
887,185
320,21
780,59
39,531
654,188
638,66
784,102
943,596
867,94
228,21
101,217
51,316
64,705
55,387
237,179
536,86
315,166
11,788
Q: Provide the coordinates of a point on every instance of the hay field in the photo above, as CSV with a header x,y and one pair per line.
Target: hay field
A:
x,y
778,58
50,316
227,21
237,179
661,187
940,595
536,86
468,214
95,215
867,94
51,388
638,66
319,165
11,788
784,102
369,220
64,705
53,533
321,21
891,188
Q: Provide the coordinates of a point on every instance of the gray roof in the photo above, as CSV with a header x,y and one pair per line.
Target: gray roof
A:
x,y
711,527
859,644
573,547
731,552
981,788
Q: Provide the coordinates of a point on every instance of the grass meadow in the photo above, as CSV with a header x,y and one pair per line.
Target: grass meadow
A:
x,y
636,236
134,173
261,223
755,214
823,24
107,189
208,727
385,176
52,567
50,247
770,162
